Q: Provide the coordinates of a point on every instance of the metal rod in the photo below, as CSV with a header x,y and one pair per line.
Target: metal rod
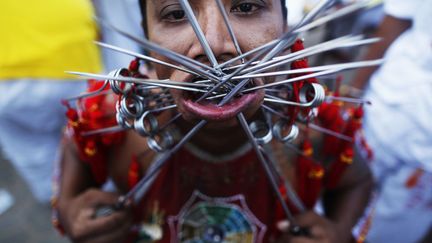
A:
x,y
103,131
278,58
343,66
164,108
90,94
286,39
330,132
337,14
320,48
244,82
280,62
271,110
229,27
251,52
266,167
227,78
183,60
161,83
171,121
286,102
144,57
199,33
138,191
349,100
291,193
292,80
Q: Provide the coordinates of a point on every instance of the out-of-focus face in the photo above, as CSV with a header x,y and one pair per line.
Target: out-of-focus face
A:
x,y
255,22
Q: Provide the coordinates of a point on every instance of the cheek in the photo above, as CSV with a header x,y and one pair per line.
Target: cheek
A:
x,y
175,39
259,34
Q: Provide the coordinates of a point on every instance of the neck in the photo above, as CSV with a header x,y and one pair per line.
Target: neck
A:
x,y
217,141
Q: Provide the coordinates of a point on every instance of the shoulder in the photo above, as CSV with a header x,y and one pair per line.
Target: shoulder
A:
x,y
90,124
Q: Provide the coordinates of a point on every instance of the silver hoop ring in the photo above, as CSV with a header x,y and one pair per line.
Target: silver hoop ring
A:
x,y
123,122
116,85
147,124
134,109
310,116
312,88
161,142
261,132
278,130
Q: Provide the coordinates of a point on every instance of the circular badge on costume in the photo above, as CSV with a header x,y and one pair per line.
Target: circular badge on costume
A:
x,y
212,223
205,219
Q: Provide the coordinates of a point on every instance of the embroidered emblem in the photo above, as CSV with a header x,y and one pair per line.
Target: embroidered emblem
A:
x,y
211,220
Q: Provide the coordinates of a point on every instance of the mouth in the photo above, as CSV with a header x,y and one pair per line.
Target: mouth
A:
x,y
210,109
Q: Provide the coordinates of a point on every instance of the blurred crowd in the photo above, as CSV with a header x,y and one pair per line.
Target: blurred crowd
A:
x,y
42,41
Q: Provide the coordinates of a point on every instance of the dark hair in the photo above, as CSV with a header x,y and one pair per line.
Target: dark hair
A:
x,y
142,4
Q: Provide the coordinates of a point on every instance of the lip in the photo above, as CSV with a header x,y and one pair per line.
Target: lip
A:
x,y
213,112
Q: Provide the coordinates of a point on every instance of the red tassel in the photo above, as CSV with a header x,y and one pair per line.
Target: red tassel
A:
x,y
293,111
353,125
338,167
310,176
330,117
134,65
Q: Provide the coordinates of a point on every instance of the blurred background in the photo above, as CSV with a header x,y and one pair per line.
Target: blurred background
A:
x,y
42,39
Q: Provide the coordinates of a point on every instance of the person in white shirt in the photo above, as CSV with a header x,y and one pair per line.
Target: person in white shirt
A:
x,y
398,125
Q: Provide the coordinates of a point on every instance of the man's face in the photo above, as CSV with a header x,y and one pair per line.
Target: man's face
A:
x,y
255,22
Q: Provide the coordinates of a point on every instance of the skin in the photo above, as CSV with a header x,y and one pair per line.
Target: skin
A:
x,y
78,197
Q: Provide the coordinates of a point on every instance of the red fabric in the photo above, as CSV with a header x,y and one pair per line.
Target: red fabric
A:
x,y
352,126
186,173
338,167
309,176
92,114
298,64
329,115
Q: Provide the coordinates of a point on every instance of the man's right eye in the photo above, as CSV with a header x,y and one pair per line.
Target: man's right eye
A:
x,y
173,15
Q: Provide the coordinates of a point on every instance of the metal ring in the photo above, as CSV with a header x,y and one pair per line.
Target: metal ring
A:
x,y
147,124
142,91
310,116
134,109
261,132
161,142
116,85
312,88
123,122
278,129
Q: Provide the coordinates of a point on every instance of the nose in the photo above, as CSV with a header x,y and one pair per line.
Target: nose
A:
x,y
217,35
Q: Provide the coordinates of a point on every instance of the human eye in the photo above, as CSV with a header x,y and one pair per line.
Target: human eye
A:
x,y
247,7
173,13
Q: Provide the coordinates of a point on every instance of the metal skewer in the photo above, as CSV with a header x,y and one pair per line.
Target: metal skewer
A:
x,y
349,100
137,193
198,32
183,60
143,57
266,167
320,48
229,27
160,83
344,66
97,92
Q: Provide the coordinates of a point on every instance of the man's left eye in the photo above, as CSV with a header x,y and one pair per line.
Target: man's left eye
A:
x,y
245,8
